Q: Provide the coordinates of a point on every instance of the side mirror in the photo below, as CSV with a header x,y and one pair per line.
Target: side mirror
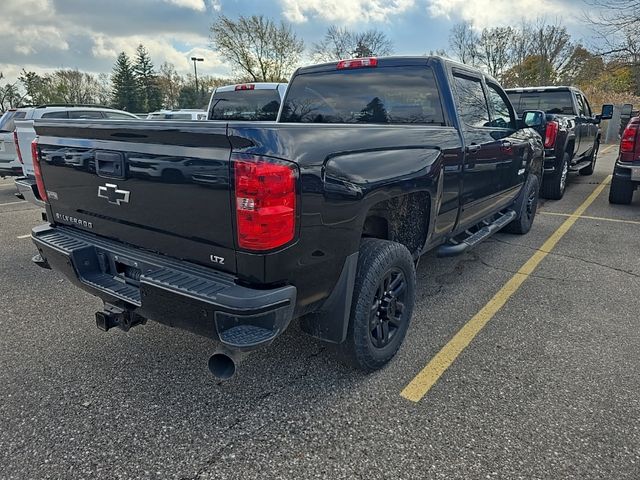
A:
x,y
607,112
534,118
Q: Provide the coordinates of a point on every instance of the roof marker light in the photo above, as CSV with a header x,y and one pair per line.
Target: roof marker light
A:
x,y
367,62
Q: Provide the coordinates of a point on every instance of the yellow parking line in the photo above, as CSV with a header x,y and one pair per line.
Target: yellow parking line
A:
x,y
607,149
429,375
588,217
28,235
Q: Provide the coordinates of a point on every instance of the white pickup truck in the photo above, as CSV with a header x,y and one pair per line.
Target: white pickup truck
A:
x,y
247,101
9,164
25,134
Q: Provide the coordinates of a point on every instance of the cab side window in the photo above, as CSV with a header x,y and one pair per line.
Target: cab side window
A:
x,y
502,115
55,115
82,114
472,104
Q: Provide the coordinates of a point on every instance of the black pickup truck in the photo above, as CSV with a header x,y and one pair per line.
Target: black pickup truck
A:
x,y
320,216
571,135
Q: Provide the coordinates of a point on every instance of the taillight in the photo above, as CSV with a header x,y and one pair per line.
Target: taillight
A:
x,y
15,141
551,133
630,143
357,63
246,86
265,194
35,155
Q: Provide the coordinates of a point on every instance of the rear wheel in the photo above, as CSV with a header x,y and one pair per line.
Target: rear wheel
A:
x,y
621,191
594,156
528,206
554,185
382,304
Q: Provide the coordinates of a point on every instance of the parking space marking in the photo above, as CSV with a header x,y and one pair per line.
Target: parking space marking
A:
x,y
418,387
588,217
608,149
28,235
12,203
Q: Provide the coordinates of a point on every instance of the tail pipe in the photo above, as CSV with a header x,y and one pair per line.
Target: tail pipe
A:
x,y
224,363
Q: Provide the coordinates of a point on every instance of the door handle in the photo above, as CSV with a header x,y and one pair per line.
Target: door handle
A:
x,y
473,148
506,145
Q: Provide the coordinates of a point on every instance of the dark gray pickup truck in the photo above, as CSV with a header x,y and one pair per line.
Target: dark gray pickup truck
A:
x,y
320,216
571,134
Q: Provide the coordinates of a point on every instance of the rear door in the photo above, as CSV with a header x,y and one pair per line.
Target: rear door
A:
x,y
484,180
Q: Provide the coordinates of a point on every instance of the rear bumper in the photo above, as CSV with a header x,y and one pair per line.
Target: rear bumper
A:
x,y
175,293
28,190
627,171
10,169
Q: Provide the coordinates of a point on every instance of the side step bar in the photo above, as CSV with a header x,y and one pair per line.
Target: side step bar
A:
x,y
579,166
456,247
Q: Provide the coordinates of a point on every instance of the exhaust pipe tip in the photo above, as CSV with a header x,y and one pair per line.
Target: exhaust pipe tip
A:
x,y
222,366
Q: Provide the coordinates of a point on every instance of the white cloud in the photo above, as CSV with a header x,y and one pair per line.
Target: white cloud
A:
x,y
161,50
198,5
489,13
44,35
344,11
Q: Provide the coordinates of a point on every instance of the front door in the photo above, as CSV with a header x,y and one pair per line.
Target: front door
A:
x,y
486,153
584,129
514,142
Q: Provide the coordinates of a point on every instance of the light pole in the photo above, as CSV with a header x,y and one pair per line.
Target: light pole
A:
x,y
195,69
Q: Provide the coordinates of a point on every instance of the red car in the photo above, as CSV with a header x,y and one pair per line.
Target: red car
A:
x,y
626,173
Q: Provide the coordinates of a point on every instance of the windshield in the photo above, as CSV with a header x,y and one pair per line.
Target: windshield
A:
x,y
262,105
397,95
558,102
7,120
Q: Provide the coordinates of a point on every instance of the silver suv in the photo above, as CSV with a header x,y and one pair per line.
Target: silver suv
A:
x,y
9,164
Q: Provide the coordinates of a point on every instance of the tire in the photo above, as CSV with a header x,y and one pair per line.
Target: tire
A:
x,y
528,206
621,191
372,337
553,186
588,170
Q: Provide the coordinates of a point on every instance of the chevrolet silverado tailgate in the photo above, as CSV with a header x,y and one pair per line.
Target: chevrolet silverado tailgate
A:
x,y
162,186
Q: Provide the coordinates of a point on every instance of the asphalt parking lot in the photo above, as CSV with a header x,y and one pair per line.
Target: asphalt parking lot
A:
x,y
546,388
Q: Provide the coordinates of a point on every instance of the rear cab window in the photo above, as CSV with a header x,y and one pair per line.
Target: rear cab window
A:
x,y
558,102
388,95
258,104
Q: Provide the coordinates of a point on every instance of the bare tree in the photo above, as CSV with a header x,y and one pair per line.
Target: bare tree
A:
x,y
170,83
339,43
10,96
256,47
463,42
494,49
616,23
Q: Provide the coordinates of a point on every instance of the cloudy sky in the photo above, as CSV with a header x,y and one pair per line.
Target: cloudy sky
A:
x,y
43,35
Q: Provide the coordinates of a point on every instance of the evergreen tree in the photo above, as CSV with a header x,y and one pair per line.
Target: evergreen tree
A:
x,y
188,97
124,93
147,81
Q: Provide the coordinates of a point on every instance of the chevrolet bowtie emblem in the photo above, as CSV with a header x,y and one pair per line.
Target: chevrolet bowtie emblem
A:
x,y
112,194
